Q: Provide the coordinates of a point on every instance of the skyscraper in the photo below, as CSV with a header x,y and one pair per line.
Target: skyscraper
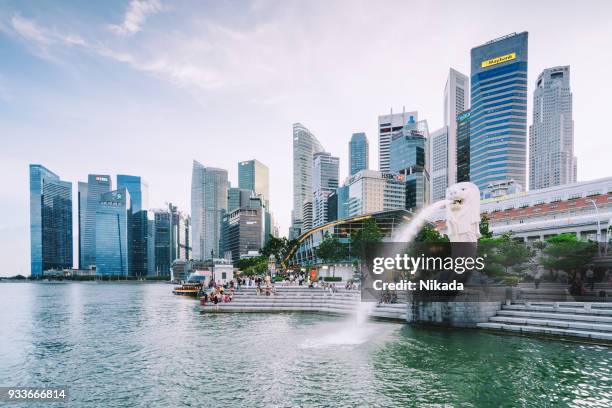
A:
x,y
498,139
50,221
551,135
208,206
370,191
305,145
387,126
137,236
440,155
112,234
463,147
243,229
237,197
89,199
410,158
359,153
456,101
325,177
254,175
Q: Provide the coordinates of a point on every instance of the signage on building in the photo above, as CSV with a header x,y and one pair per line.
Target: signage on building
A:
x,y
498,60
463,116
99,178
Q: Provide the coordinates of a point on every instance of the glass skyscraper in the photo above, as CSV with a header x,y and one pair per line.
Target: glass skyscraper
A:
x,y
112,229
387,126
254,175
137,237
498,120
50,221
359,153
463,147
89,198
208,206
325,177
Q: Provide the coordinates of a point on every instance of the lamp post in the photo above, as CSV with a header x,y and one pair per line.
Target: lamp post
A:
x,y
597,236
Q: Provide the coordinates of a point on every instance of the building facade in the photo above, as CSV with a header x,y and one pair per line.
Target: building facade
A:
x,y
456,101
305,145
89,198
410,158
371,191
387,126
208,206
551,135
237,197
137,234
254,175
243,230
113,221
325,175
50,221
439,157
359,153
463,147
498,127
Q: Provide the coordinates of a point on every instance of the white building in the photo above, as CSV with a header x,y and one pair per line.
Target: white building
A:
x,y
551,135
439,163
456,101
325,168
305,145
387,125
372,191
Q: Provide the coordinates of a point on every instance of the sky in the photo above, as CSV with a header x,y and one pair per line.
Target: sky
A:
x,y
144,87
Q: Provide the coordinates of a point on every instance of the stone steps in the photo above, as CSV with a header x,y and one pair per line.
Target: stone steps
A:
x,y
562,319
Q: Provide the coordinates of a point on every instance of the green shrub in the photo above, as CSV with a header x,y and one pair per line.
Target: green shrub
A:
x,y
511,280
332,279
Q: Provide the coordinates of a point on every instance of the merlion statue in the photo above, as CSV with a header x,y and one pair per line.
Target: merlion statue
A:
x,y
463,212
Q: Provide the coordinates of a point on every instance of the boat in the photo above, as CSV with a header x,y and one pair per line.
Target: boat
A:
x,y
188,289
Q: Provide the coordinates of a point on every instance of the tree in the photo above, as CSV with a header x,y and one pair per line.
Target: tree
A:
x,y
369,233
274,246
331,249
504,254
485,233
429,234
568,253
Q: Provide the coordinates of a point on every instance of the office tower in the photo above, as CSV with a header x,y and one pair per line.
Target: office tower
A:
x,y
305,145
237,197
371,191
463,147
456,101
387,126
137,237
498,139
307,216
179,234
254,175
89,198
208,206
162,226
337,204
113,215
50,221
325,168
359,153
440,155
243,230
410,158
551,135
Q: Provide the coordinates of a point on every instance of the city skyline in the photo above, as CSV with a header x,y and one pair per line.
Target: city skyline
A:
x,y
52,111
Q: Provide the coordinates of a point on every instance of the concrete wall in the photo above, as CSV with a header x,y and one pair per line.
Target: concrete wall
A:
x,y
452,314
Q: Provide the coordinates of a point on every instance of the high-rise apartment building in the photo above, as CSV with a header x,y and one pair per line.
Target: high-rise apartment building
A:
x,y
254,175
387,126
498,119
439,158
305,145
208,206
325,175
89,199
113,220
359,153
456,101
50,221
463,147
551,135
137,237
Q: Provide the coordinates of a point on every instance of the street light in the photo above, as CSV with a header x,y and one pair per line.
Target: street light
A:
x,y
597,236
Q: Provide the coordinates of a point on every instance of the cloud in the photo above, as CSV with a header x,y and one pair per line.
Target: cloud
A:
x,y
135,16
